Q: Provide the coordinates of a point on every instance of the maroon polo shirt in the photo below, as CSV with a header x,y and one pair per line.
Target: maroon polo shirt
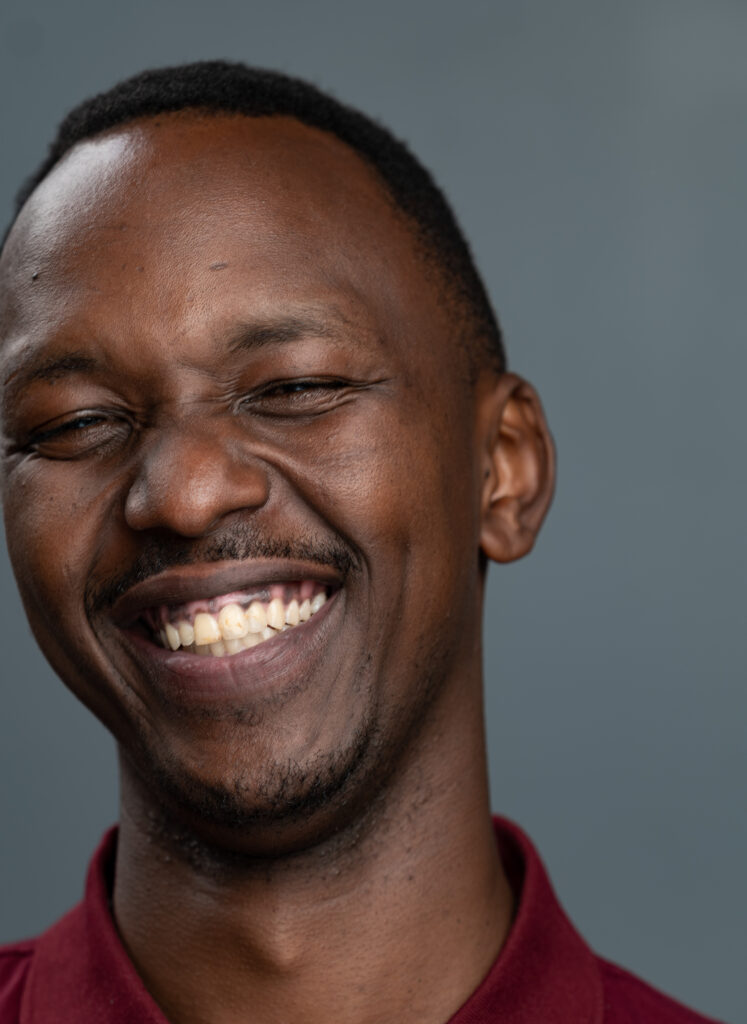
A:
x,y
78,971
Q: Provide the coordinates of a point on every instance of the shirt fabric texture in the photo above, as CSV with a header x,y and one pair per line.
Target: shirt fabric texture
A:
x,y
78,970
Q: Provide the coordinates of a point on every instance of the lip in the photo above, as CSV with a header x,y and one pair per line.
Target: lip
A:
x,y
276,666
205,581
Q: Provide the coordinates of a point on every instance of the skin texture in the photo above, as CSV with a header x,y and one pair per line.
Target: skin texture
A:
x,y
272,379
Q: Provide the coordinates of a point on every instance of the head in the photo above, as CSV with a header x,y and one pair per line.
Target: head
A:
x,y
247,361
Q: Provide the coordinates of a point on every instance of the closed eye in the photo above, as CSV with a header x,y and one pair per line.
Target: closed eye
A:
x,y
79,423
89,433
297,396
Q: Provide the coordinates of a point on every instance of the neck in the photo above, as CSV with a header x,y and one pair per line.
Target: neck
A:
x,y
401,924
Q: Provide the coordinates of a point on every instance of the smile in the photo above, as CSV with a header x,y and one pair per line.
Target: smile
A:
x,y
228,624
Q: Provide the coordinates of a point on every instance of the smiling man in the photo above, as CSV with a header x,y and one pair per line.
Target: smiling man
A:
x,y
259,445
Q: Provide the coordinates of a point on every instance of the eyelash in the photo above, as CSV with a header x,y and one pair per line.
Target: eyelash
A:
x,y
78,423
294,390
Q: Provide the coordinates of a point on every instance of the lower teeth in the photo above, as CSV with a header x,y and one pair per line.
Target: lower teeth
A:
x,y
224,648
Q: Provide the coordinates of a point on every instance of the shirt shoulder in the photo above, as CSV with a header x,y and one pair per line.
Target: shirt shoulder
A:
x,y
629,1000
15,962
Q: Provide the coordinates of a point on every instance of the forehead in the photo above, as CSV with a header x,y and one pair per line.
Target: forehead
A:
x,y
150,168
172,219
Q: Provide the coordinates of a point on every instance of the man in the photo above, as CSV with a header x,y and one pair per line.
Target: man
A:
x,y
259,445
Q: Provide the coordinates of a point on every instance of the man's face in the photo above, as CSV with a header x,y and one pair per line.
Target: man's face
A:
x,y
228,371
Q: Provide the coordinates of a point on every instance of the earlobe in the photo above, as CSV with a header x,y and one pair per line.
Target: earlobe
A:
x,y
518,470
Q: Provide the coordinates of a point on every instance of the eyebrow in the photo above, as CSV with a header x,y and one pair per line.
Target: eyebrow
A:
x,y
49,369
277,332
247,336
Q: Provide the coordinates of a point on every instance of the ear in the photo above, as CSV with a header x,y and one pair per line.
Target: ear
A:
x,y
518,466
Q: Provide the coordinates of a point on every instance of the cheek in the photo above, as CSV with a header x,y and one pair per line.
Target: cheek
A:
x,y
401,489
361,476
52,527
57,522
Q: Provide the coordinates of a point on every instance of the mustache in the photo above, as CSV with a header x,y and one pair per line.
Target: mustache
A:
x,y
242,544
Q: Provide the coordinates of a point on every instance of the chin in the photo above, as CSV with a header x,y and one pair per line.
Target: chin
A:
x,y
270,811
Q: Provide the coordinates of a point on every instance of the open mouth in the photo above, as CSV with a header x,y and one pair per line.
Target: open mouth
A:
x,y
228,624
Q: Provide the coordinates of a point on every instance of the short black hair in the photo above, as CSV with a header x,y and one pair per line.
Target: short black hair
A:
x,y
217,86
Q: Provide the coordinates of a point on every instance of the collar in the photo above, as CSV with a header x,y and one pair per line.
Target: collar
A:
x,y
545,973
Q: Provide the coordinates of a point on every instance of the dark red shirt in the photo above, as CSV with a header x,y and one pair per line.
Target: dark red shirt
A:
x,y
78,971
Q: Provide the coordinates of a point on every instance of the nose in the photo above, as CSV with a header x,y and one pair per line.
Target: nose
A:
x,y
189,479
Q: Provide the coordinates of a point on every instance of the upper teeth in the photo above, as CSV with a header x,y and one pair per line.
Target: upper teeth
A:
x,y
234,628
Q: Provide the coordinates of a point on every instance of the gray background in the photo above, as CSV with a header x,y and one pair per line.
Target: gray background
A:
x,y
596,153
